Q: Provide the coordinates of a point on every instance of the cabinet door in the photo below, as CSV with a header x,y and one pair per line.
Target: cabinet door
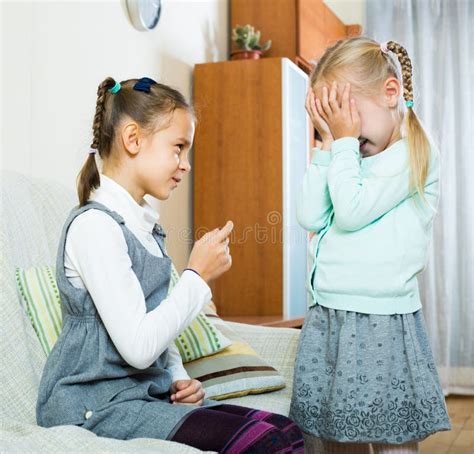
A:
x,y
238,176
296,143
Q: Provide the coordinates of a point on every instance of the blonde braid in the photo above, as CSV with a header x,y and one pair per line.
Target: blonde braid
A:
x,y
407,69
418,144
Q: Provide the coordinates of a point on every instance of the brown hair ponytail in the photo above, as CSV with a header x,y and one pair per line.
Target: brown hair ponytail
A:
x,y
88,178
418,144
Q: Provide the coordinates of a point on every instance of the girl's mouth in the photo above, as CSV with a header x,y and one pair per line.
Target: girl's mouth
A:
x,y
176,181
362,142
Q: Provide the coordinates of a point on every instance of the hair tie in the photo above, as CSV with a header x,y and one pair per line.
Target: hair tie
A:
x,y
92,150
383,47
144,84
409,104
116,88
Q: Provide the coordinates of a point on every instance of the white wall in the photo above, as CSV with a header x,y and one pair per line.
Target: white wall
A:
x,y
54,54
349,11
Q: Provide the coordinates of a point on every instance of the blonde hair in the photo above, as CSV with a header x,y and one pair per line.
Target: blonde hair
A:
x,y
361,61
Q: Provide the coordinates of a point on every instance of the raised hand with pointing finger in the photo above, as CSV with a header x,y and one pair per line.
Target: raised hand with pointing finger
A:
x,y
210,256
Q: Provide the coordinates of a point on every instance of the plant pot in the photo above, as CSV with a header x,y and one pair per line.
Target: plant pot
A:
x,y
246,54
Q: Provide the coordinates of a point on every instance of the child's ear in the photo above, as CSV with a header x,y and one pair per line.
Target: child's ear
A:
x,y
391,90
131,137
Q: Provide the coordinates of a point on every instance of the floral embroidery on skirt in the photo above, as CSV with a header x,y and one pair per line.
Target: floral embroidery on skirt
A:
x,y
366,378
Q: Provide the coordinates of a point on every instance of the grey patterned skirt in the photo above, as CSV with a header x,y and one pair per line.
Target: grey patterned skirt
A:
x,y
365,378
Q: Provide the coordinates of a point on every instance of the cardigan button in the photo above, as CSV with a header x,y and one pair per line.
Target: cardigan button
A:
x,y
88,414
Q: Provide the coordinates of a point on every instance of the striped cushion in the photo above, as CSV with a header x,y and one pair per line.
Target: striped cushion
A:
x,y
41,301
237,371
200,339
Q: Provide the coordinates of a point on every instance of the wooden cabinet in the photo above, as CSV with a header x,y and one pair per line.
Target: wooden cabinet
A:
x,y
250,155
251,150
299,29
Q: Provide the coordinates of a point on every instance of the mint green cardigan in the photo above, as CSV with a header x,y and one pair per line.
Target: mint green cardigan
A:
x,y
372,233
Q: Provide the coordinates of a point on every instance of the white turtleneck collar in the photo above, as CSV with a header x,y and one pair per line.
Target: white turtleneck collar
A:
x,y
117,198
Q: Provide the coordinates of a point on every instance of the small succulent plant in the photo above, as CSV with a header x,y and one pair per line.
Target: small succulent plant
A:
x,y
247,38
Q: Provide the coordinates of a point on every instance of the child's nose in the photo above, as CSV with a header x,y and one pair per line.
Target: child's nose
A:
x,y
185,165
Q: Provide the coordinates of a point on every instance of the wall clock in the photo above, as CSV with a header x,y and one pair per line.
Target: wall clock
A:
x,y
144,14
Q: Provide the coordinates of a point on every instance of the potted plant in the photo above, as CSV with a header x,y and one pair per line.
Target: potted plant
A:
x,y
247,41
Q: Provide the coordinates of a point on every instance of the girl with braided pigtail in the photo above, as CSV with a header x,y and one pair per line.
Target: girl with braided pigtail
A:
x,y
89,178
365,373
115,369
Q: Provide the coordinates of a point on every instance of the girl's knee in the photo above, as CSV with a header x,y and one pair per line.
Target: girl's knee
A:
x,y
272,439
287,438
287,426
282,423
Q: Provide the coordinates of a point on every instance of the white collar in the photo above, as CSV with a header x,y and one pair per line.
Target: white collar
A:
x,y
117,198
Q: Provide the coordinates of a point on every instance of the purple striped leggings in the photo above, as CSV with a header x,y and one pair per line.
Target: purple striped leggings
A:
x,y
233,429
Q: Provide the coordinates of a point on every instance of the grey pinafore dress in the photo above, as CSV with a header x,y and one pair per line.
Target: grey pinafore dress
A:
x,y
85,381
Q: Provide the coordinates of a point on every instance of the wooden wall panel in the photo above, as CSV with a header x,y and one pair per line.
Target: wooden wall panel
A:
x,y
276,19
238,176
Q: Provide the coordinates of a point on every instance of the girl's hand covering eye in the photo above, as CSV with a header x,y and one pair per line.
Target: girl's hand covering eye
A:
x,y
317,120
343,119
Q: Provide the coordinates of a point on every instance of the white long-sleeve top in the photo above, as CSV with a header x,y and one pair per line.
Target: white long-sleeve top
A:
x,y
96,258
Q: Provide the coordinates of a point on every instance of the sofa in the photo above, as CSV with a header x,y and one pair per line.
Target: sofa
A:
x,y
32,214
